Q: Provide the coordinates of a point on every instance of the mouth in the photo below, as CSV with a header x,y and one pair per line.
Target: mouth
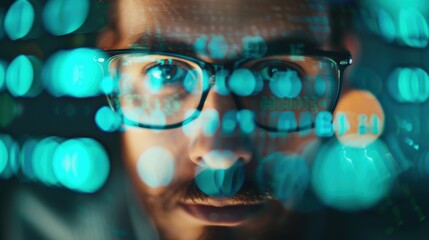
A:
x,y
223,213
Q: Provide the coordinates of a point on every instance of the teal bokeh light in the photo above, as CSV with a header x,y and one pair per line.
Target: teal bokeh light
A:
x,y
26,158
413,28
75,73
246,119
22,78
107,120
42,160
3,69
410,85
353,179
221,182
4,156
81,165
19,19
242,82
9,156
218,47
386,25
156,167
285,176
285,84
210,118
62,17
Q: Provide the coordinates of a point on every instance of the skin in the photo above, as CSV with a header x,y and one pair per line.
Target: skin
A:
x,y
143,24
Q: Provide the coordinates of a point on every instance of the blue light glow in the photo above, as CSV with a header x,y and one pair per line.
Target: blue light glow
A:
x,y
26,158
81,165
320,86
286,84
62,17
353,178
242,82
284,176
200,45
323,125
386,25
9,156
19,19
191,81
42,160
107,85
286,121
3,69
218,47
210,118
413,28
107,120
75,73
229,122
219,182
156,167
246,119
191,128
20,76
409,85
4,156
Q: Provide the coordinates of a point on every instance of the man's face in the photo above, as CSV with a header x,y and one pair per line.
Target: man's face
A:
x,y
199,177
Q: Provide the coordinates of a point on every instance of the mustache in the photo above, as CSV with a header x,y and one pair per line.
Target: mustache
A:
x,y
188,190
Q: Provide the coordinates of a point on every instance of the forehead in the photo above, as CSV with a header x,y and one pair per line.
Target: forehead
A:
x,y
148,22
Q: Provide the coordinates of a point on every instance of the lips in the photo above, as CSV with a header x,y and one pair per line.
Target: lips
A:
x,y
222,214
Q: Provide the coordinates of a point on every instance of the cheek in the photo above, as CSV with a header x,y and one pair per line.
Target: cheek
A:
x,y
155,159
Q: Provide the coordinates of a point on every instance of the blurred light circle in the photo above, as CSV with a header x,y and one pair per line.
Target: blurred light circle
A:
x,y
221,182
386,25
352,179
285,176
242,82
22,78
3,69
409,85
286,84
81,165
107,120
246,119
156,167
320,86
413,28
210,118
62,17
19,19
107,85
4,156
218,47
75,73
12,156
26,158
42,160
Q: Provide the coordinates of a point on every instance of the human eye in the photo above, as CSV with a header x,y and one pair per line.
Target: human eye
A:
x,y
276,70
165,73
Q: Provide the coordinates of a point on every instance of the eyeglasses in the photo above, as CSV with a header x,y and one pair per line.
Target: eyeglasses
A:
x,y
282,92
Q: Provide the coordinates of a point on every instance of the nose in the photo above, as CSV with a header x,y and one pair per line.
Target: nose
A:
x,y
217,148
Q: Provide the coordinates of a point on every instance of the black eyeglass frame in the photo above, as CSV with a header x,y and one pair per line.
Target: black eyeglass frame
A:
x,y
342,60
